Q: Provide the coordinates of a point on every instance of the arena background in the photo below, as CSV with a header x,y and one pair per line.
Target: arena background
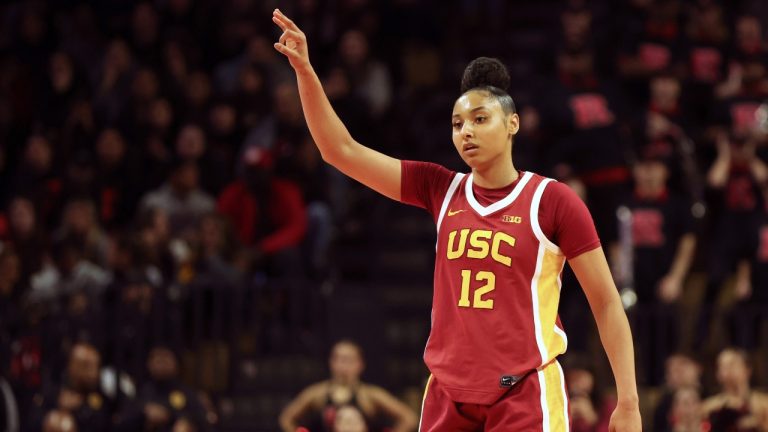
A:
x,y
126,126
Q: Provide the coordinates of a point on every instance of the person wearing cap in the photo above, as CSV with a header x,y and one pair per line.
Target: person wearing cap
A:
x,y
268,213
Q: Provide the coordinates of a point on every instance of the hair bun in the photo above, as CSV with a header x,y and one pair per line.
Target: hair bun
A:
x,y
485,71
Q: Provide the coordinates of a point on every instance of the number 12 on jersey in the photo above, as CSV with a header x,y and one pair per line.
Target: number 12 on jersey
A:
x,y
478,301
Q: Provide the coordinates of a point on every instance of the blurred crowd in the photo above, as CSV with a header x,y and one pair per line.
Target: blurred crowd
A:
x,y
154,150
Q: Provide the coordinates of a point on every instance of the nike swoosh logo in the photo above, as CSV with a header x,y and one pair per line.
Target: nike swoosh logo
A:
x,y
453,213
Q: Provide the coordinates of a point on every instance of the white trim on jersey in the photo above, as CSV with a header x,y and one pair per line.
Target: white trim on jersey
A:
x,y
535,303
566,410
448,195
543,398
498,205
535,218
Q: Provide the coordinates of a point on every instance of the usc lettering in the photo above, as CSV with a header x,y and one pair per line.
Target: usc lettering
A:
x,y
481,244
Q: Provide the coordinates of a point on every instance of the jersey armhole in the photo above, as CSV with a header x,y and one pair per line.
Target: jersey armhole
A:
x,y
535,218
448,195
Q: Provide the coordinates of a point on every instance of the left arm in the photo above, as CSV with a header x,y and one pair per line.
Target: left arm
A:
x,y
591,269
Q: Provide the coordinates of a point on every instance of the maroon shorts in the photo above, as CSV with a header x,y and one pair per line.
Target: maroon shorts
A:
x,y
537,403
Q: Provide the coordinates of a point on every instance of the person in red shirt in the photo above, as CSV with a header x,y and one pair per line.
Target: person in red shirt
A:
x,y
268,214
503,238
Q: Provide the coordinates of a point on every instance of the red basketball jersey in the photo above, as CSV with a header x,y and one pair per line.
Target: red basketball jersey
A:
x,y
496,291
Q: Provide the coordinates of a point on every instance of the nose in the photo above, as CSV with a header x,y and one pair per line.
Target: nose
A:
x,y
466,130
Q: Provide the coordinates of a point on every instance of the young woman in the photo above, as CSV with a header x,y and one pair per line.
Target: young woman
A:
x,y
503,238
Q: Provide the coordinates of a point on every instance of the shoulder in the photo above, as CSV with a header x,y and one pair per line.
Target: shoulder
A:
x,y
712,403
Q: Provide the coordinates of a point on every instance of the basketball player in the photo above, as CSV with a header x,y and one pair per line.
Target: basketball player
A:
x,y
503,238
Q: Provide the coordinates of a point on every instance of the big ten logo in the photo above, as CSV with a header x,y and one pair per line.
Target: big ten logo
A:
x,y
511,219
481,244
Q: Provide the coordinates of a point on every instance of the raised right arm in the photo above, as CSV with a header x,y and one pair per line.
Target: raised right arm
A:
x,y
371,168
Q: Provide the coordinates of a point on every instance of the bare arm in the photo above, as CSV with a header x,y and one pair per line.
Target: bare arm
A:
x,y
593,274
721,168
670,287
405,419
371,168
291,414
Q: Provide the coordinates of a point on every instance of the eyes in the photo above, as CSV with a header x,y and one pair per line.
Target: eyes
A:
x,y
479,119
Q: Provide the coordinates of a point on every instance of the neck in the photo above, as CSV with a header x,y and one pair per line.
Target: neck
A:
x,y
737,390
649,192
345,382
495,176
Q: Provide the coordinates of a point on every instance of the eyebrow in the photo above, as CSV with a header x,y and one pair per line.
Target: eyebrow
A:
x,y
481,107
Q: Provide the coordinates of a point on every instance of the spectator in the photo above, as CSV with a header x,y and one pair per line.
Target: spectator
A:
x,y
663,248
681,372
321,404
80,222
165,403
78,395
686,412
180,198
736,176
267,213
26,236
737,407
369,77
589,412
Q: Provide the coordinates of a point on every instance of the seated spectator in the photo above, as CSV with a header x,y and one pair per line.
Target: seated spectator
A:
x,y
682,372
164,402
589,412
737,407
267,213
78,395
27,236
181,198
318,406
80,222
686,413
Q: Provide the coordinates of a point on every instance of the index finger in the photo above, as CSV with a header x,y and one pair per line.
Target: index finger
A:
x,y
287,21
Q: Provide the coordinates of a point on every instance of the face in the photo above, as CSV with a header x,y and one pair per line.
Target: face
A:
x,y
731,369
665,88
110,147
22,217
482,133
162,364
349,419
190,143
61,72
650,174
686,404
346,362
83,368
354,47
38,153
681,371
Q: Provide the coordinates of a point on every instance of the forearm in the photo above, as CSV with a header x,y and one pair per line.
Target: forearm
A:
x,y
330,135
718,174
684,256
616,337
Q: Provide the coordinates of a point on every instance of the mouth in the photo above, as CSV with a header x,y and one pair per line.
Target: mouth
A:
x,y
467,147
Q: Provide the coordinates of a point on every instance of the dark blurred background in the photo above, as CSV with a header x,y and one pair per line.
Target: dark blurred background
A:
x,y
164,211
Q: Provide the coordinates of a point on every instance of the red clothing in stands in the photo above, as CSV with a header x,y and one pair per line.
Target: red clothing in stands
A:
x,y
286,210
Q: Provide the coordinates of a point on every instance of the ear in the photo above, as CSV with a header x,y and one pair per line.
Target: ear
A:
x,y
513,123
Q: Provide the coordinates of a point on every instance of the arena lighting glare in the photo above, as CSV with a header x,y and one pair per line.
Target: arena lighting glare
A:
x,y
761,116
625,275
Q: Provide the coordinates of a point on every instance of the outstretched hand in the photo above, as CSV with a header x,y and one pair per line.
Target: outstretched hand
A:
x,y
292,43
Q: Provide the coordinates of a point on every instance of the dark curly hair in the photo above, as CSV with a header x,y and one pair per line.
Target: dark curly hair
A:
x,y
491,76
